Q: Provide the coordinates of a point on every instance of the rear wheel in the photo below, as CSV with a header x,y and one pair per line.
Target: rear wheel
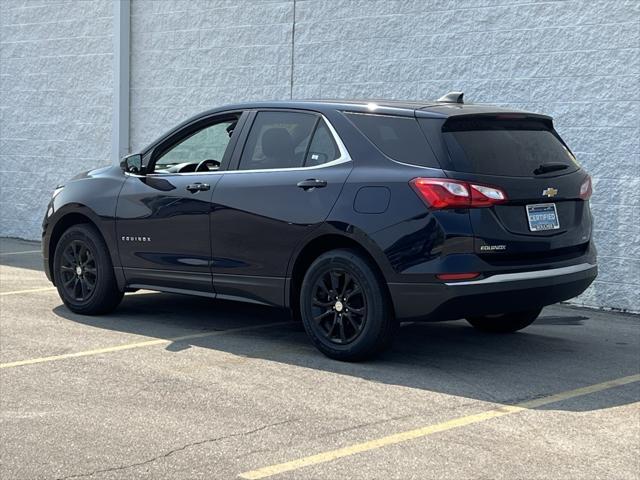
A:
x,y
505,322
83,272
344,307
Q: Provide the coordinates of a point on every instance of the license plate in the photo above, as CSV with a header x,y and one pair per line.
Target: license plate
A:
x,y
542,216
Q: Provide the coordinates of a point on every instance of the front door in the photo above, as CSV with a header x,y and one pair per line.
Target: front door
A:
x,y
287,179
163,216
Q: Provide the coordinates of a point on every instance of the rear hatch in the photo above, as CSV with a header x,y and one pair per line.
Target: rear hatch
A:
x,y
545,215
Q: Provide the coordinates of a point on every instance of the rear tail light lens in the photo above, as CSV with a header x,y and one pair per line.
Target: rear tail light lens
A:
x,y
441,193
586,189
484,196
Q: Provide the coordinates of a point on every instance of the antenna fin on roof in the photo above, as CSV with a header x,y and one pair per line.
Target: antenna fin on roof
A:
x,y
452,97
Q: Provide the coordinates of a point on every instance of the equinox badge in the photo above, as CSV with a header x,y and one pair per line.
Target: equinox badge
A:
x,y
549,192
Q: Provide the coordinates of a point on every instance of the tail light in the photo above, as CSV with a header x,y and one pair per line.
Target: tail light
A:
x,y
440,193
586,189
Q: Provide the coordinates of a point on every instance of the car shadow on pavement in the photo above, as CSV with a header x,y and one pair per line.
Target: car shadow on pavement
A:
x,y
560,352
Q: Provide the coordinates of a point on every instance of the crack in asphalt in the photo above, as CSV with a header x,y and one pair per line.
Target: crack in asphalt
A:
x,y
327,434
363,425
175,450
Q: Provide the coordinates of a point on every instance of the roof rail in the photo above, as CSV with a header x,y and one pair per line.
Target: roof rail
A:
x,y
452,97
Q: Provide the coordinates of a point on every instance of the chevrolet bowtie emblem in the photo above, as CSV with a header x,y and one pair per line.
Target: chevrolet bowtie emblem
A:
x,y
550,192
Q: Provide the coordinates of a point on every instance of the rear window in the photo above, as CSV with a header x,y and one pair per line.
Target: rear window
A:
x,y
507,147
399,138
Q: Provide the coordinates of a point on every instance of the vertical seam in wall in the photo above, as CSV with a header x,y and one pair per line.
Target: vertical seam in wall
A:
x,y
293,49
127,127
121,78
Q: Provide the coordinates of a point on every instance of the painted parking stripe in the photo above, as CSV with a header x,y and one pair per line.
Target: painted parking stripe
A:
x,y
130,346
396,438
31,290
20,253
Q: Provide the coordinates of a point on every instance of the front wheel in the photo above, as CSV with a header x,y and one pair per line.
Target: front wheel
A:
x,y
345,308
505,322
83,272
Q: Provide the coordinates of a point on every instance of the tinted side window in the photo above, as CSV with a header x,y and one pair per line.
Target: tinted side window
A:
x,y
210,143
323,147
278,140
399,138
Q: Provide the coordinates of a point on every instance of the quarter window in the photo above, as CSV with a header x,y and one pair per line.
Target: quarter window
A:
x,y
323,147
287,140
399,138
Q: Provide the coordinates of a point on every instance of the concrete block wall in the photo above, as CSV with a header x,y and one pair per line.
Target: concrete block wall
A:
x,y
577,60
187,56
55,102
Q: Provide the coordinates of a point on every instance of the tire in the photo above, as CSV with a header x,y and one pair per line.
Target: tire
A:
x,y
505,322
83,272
343,334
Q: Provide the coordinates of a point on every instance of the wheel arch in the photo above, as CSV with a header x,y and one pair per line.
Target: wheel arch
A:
x,y
312,250
68,218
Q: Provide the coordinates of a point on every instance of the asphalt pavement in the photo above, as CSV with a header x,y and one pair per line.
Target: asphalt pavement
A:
x,y
178,387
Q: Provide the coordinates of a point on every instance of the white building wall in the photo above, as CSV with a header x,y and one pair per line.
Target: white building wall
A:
x,y
188,56
55,102
577,60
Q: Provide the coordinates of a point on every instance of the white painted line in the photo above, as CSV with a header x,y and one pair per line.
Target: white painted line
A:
x,y
129,346
427,430
20,253
31,290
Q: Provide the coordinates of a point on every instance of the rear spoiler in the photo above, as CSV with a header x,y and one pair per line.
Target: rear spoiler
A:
x,y
510,120
452,109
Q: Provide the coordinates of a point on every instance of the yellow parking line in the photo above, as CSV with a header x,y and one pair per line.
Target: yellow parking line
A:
x,y
31,290
20,253
430,429
129,346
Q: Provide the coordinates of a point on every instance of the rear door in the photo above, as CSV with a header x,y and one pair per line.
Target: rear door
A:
x,y
287,177
525,157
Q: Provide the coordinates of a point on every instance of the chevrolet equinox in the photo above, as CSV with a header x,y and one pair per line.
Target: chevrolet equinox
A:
x,y
355,215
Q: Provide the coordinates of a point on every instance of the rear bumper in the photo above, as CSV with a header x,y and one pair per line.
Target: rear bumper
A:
x,y
494,294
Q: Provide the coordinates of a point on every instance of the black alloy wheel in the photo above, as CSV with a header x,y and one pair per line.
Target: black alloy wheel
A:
x,y
345,306
78,271
339,306
83,271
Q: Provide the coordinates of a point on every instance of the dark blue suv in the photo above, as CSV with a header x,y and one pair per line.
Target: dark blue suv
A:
x,y
355,215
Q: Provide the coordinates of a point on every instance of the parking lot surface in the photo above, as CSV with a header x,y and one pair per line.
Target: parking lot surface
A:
x,y
172,386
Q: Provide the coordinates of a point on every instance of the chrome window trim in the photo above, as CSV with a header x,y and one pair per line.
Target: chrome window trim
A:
x,y
343,158
134,174
530,275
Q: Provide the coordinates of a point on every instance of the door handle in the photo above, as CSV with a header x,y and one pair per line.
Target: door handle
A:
x,y
310,183
198,187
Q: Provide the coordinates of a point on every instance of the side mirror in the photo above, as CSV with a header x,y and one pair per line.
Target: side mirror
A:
x,y
132,164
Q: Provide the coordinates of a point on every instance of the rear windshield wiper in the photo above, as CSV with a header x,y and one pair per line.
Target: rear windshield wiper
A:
x,y
550,167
